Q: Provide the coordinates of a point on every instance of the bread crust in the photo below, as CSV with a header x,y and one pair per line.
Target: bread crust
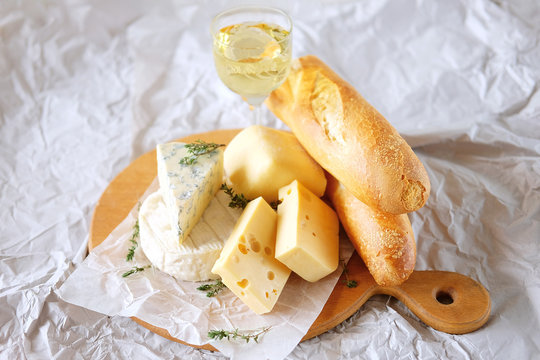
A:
x,y
385,242
349,138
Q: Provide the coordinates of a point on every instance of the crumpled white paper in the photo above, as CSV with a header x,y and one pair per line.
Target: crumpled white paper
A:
x,y
85,88
185,312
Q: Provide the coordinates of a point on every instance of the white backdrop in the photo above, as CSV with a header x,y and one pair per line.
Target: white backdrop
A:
x,y
85,88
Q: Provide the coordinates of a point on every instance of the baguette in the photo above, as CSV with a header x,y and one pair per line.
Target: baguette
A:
x,y
349,138
384,241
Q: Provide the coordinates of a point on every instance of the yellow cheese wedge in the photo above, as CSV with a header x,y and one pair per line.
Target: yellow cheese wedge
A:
x,y
247,264
260,160
307,233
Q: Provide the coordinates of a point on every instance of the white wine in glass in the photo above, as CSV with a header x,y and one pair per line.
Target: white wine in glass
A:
x,y
252,48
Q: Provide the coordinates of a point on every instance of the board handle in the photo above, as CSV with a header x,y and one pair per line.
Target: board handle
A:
x,y
446,301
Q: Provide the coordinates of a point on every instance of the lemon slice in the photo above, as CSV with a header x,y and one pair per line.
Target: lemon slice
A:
x,y
248,43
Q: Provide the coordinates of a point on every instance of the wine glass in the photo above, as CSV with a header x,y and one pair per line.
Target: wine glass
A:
x,y
252,48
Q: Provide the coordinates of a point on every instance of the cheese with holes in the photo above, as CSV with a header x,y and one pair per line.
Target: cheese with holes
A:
x,y
193,259
307,233
247,264
187,189
260,160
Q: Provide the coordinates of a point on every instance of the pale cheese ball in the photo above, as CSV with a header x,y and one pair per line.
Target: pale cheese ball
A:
x,y
260,160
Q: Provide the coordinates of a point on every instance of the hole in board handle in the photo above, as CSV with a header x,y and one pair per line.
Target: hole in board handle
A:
x,y
444,297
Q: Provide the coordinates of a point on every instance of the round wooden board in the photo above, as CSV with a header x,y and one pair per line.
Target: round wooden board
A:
x,y
124,192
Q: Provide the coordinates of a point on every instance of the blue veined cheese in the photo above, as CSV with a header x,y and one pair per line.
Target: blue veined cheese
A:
x,y
193,259
187,189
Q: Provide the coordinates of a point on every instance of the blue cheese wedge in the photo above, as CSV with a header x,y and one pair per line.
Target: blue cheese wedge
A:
x,y
193,259
187,189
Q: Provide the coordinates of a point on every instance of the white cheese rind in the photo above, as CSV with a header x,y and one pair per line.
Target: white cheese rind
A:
x,y
247,264
193,259
187,189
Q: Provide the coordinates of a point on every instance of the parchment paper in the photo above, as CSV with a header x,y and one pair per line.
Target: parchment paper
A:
x,y
87,87
185,312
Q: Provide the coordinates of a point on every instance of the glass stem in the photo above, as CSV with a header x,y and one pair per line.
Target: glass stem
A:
x,y
256,109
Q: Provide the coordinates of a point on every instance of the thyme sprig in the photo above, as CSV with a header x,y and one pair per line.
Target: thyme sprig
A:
x,y
237,334
134,244
240,201
197,149
212,289
237,200
134,270
350,283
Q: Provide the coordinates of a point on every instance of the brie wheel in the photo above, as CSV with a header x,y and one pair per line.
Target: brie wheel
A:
x,y
194,258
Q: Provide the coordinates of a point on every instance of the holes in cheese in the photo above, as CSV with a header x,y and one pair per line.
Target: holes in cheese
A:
x,y
260,160
249,277
309,248
242,248
254,244
243,283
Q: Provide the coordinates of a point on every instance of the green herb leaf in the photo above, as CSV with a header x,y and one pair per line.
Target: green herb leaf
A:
x,y
131,253
212,289
218,334
237,334
134,236
197,149
350,283
237,200
134,270
274,204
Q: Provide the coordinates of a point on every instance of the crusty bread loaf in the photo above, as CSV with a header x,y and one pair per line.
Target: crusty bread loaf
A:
x,y
384,241
349,138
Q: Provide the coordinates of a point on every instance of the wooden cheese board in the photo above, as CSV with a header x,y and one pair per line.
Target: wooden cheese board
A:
x,y
446,301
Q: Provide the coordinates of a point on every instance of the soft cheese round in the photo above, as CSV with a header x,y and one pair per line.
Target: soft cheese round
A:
x,y
194,258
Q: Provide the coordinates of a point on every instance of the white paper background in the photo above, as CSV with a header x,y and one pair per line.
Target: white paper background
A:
x,y
86,88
